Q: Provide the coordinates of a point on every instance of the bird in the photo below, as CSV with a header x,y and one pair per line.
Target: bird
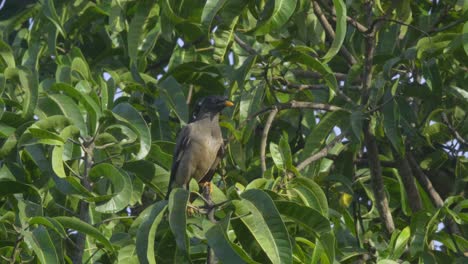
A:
x,y
199,145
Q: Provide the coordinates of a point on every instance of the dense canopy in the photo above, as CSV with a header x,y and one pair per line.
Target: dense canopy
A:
x,y
347,143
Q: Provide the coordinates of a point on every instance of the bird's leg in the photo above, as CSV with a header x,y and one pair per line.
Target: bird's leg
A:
x,y
209,186
207,190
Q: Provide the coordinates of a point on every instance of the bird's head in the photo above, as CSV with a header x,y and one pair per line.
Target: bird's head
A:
x,y
212,104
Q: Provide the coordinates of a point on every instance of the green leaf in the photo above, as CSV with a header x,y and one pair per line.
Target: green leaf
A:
x,y
275,14
92,108
41,244
210,10
7,55
266,225
357,118
146,233
51,14
121,186
465,37
178,217
340,32
225,250
80,226
49,223
276,155
8,187
392,123
175,98
127,114
401,243
310,194
138,28
57,152
71,110
308,218
300,56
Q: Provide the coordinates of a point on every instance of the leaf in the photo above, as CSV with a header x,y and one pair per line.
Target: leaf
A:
x,y
178,217
277,17
223,38
286,152
127,114
401,243
340,32
71,110
80,226
357,118
42,245
465,37
7,55
57,152
175,98
121,186
138,28
51,14
310,193
49,223
8,187
392,123
146,233
266,225
225,250
308,218
460,92
210,10
300,56
92,108
276,155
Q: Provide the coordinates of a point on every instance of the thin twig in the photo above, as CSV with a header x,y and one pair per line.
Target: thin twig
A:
x,y
322,153
245,46
329,30
425,182
457,135
263,141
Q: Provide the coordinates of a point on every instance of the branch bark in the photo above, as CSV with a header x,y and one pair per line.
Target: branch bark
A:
x,y
331,33
88,148
322,153
263,142
433,194
404,170
377,181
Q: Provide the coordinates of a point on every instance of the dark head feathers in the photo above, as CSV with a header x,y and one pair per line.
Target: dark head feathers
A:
x,y
211,104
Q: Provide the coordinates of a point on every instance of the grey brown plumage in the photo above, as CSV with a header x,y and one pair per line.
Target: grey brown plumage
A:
x,y
199,146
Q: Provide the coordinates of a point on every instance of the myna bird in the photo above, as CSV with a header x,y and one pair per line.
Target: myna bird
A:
x,y
199,147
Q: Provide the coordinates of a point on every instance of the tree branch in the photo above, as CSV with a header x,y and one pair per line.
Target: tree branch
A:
x,y
407,177
245,46
315,75
88,148
263,141
377,180
433,194
322,153
331,33
455,133
425,182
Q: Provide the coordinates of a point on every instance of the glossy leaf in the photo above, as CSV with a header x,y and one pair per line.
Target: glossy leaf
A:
x,y
340,32
121,186
271,234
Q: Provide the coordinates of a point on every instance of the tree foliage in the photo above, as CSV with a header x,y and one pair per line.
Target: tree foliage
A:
x,y
347,143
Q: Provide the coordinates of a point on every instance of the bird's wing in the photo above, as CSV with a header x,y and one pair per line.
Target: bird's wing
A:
x,y
209,174
183,140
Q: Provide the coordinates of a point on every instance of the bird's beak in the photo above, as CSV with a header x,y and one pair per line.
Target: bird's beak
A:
x,y
228,103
